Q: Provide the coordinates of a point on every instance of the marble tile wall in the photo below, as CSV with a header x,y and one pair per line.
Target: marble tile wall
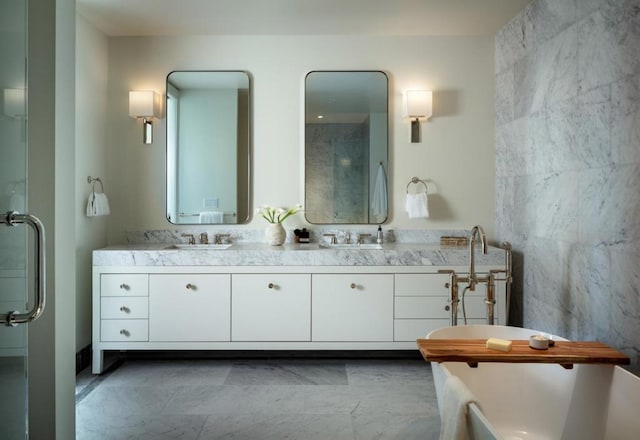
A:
x,y
567,101
337,183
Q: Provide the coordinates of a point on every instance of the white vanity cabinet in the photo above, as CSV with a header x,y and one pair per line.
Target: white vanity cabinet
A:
x,y
352,307
271,307
300,307
189,307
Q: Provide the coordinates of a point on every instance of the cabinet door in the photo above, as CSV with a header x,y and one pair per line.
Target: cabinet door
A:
x,y
348,307
189,307
271,307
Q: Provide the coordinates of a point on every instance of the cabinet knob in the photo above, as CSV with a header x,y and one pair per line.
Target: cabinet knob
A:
x,y
124,286
190,286
447,307
271,286
353,285
124,332
125,309
447,285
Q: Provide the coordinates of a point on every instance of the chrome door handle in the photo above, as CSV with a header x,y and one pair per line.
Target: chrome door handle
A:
x,y
11,319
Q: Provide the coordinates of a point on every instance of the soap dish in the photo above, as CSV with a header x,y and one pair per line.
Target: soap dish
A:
x,y
539,342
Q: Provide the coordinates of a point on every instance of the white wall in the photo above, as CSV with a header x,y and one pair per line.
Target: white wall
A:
x,y
91,154
456,156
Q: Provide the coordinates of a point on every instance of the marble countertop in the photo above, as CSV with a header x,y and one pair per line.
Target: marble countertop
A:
x,y
256,254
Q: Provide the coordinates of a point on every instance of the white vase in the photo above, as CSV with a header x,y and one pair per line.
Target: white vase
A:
x,y
275,234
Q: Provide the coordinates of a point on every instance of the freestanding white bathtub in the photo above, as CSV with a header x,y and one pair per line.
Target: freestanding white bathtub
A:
x,y
542,401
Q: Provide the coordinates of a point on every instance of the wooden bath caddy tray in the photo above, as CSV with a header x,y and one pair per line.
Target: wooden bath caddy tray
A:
x,y
565,353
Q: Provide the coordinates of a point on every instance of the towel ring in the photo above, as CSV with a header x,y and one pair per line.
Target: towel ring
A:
x,y
94,180
416,181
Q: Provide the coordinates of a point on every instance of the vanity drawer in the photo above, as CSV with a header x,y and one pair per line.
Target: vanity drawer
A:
x,y
124,285
116,330
415,307
412,329
124,307
422,284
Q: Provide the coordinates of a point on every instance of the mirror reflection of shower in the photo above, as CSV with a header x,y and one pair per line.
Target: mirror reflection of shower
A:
x,y
346,137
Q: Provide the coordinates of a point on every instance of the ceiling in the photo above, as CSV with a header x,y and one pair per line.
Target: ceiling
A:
x,y
299,17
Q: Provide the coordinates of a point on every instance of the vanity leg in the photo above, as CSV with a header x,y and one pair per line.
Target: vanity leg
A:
x,y
97,364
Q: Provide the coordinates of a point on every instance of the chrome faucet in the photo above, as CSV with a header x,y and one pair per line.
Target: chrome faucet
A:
x,y
221,238
332,238
476,231
190,237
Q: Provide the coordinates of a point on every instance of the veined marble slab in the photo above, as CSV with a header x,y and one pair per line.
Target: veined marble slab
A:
x,y
394,254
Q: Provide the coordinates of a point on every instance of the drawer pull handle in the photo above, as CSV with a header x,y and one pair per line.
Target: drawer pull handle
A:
x,y
353,285
190,286
125,332
447,308
124,286
272,286
125,309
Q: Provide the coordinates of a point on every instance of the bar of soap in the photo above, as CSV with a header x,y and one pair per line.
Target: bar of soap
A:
x,y
498,344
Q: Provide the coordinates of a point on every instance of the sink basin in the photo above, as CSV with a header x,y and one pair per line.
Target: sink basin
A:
x,y
200,247
351,246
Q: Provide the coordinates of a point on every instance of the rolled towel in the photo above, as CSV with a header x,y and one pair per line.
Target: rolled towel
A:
x,y
98,205
417,205
211,217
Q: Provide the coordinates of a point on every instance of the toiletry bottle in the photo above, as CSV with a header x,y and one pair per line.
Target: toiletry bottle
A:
x,y
379,235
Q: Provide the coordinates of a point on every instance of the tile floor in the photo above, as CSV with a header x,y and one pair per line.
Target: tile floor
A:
x,y
324,399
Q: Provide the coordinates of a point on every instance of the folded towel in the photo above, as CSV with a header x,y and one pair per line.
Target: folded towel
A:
x,y
417,205
97,205
379,199
212,217
453,411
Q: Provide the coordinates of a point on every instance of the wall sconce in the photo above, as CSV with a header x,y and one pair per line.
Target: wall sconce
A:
x,y
145,104
15,103
418,105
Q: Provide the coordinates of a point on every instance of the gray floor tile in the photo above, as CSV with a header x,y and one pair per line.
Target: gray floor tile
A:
x,y
167,373
288,372
381,426
148,427
293,427
388,371
258,399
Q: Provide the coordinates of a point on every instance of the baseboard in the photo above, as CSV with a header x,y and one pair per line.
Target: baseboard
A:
x,y
83,358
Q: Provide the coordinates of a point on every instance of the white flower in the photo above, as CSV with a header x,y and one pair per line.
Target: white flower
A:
x,y
277,215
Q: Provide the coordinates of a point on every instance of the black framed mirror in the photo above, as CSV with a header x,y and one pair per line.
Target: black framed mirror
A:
x,y
346,147
208,147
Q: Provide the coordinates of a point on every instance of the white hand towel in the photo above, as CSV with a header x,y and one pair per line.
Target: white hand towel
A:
x,y
97,205
417,205
211,217
456,398
379,199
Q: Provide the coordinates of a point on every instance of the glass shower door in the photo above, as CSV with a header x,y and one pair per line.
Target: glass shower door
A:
x,y
13,240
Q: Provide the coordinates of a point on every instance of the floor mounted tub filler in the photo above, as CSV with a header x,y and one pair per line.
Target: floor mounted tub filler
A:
x,y
536,401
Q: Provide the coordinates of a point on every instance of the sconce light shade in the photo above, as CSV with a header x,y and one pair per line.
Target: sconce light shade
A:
x,y
418,104
15,103
145,104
